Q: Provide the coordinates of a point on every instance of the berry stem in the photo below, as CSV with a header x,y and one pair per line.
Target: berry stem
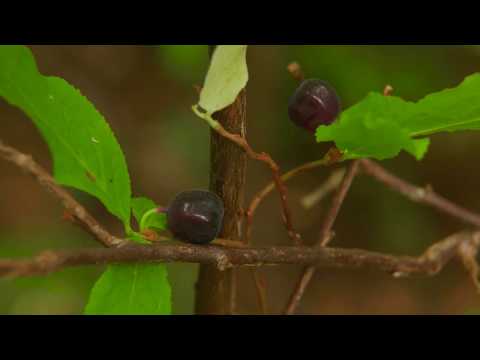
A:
x,y
296,71
149,213
263,157
214,124
331,157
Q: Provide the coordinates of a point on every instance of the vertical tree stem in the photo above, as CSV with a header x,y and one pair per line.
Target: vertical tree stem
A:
x,y
228,164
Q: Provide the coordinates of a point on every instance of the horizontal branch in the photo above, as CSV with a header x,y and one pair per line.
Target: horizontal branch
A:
x,y
463,244
75,211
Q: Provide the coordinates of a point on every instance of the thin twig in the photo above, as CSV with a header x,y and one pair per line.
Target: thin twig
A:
x,y
329,186
299,290
265,158
337,202
325,236
261,290
419,195
388,90
430,263
330,158
257,199
295,70
262,194
216,291
233,291
278,182
77,211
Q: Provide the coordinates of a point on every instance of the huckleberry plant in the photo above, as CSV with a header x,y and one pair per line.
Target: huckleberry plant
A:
x,y
314,103
195,216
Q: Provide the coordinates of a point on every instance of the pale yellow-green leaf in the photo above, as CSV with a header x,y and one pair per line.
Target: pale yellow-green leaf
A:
x,y
226,77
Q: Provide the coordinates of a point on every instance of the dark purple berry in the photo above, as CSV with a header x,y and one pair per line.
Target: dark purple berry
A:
x,y
314,103
195,216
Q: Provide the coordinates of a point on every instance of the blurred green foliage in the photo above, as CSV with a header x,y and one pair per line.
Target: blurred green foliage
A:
x,y
185,63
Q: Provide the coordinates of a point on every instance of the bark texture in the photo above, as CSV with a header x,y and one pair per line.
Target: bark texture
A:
x,y
228,164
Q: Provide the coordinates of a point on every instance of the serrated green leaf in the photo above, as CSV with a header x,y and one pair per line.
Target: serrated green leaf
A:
x,y
226,77
85,153
156,221
138,289
381,126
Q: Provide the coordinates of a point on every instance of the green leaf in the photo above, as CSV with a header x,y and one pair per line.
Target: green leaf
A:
x,y
141,206
381,126
226,77
137,237
86,154
138,289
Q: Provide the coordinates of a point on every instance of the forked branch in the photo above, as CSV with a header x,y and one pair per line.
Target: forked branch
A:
x,y
463,245
325,235
418,194
74,209
265,158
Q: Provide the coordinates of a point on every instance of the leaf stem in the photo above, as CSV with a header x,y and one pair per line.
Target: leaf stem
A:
x,y
206,116
263,157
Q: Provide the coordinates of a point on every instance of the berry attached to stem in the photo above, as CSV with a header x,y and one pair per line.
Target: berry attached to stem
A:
x,y
314,103
195,216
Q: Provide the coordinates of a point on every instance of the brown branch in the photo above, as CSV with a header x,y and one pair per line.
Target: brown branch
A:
x,y
242,143
74,209
330,185
414,193
257,199
325,236
419,195
233,292
262,194
295,70
216,291
463,245
325,233
239,139
260,286
265,158
332,157
261,290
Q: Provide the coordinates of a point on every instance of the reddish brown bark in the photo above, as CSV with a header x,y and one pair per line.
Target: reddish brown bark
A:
x,y
228,163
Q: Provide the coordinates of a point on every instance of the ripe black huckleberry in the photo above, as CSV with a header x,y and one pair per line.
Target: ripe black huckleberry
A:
x,y
195,216
314,103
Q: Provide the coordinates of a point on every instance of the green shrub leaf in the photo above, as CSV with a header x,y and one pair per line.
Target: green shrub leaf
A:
x,y
382,126
137,289
142,205
85,152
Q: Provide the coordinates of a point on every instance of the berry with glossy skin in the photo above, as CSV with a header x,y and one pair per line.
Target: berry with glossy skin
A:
x,y
195,216
314,103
